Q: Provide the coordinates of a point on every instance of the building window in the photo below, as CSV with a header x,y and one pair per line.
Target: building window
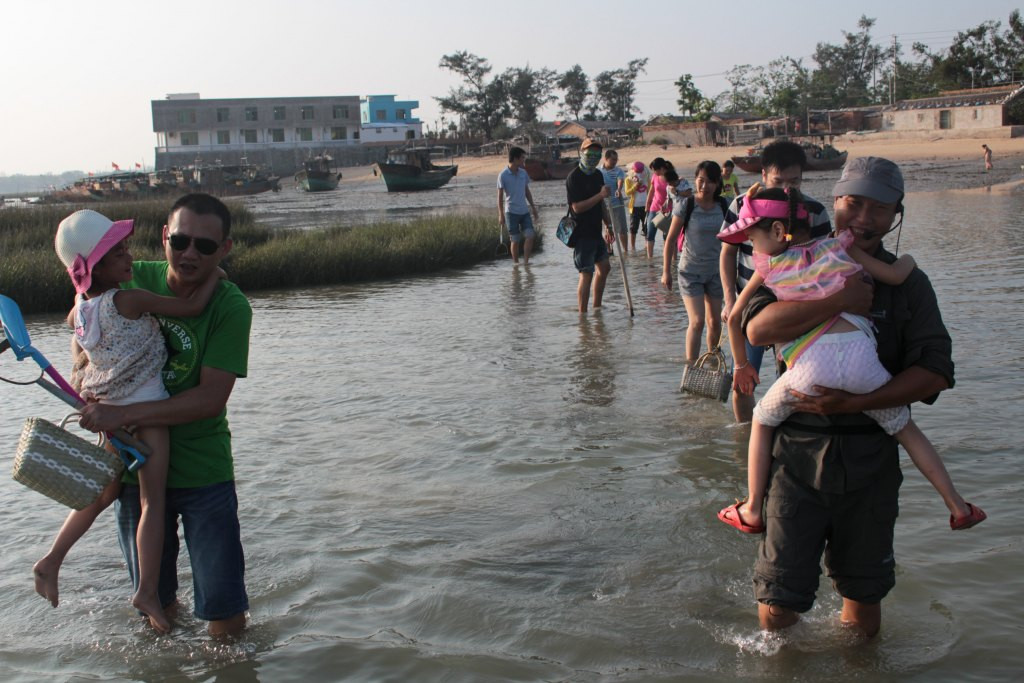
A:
x,y
249,136
223,114
410,135
339,133
307,113
304,134
277,134
400,114
975,114
251,114
223,137
341,111
280,113
189,137
382,115
355,135
378,130
187,116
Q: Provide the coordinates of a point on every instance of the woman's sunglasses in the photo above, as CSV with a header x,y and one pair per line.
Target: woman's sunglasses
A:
x,y
204,245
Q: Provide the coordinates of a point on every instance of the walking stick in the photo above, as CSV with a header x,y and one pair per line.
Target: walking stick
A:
x,y
625,280
622,262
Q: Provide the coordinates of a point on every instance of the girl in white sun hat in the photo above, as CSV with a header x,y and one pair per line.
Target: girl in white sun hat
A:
x,y
125,352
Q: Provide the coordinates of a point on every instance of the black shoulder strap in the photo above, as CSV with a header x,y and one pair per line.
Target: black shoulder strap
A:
x,y
688,211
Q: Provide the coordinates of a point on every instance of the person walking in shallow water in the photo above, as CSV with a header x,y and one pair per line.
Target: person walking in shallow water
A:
x,y
987,156
586,191
515,205
208,353
835,476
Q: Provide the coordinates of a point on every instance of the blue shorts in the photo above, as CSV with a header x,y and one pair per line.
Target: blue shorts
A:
x,y
209,516
517,221
755,354
588,252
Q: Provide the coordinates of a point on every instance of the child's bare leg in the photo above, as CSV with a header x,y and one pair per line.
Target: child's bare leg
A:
x,y
150,535
759,460
77,523
927,460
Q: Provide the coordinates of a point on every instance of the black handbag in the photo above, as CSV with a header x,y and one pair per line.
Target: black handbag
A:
x,y
566,228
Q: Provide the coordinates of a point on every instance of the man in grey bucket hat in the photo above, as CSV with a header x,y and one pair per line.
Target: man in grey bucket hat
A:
x,y
835,474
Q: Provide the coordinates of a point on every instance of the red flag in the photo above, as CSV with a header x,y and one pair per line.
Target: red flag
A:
x,y
116,167
138,165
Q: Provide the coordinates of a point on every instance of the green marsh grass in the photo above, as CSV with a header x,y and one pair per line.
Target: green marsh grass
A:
x,y
261,258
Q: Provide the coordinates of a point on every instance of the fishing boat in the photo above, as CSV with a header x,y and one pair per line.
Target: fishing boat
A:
x,y
554,169
316,175
411,170
116,186
234,181
819,158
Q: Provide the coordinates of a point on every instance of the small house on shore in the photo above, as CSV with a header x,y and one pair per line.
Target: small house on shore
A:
x,y
958,109
677,130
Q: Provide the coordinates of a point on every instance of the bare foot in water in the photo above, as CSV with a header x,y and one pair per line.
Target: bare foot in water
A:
x,y
150,606
45,573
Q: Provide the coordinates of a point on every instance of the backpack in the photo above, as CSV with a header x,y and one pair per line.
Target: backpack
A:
x,y
691,204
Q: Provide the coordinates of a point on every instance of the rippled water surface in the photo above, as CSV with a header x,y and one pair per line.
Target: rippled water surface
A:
x,y
457,477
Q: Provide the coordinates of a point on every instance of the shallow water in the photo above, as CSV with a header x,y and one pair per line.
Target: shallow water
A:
x,y
456,477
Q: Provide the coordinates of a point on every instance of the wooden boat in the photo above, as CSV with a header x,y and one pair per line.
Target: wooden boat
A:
x,y
316,175
222,181
115,186
233,181
554,169
819,158
411,170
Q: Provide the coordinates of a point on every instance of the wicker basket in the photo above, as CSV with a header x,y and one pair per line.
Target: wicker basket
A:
x,y
708,377
61,465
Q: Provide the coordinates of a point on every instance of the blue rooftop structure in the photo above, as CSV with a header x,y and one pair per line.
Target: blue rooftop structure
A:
x,y
385,109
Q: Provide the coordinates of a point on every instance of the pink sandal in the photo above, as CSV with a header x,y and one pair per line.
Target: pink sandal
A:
x,y
731,516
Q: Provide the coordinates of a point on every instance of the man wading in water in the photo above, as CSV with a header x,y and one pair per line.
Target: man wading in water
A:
x,y
835,474
586,191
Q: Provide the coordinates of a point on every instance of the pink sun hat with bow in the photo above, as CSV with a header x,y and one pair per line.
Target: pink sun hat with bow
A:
x,y
754,210
638,167
83,238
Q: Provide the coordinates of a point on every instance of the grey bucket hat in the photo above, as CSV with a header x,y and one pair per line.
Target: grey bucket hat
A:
x,y
872,177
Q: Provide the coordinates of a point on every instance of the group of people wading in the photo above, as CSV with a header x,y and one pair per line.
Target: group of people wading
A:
x,y
857,331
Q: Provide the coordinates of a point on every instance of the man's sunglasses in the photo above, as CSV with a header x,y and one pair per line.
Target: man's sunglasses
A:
x,y
204,245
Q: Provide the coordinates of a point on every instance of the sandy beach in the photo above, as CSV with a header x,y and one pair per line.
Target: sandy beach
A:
x,y
953,150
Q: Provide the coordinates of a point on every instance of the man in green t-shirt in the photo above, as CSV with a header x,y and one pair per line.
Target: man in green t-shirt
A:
x,y
206,354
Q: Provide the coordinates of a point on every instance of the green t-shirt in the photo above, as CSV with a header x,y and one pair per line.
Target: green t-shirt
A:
x,y
217,338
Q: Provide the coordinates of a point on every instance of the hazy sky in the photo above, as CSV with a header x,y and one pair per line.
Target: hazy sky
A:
x,y
78,76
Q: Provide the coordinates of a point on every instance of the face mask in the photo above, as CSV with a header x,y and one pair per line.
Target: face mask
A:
x,y
589,162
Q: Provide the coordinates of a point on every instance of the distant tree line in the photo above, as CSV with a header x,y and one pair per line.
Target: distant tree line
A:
x,y
860,72
483,104
856,72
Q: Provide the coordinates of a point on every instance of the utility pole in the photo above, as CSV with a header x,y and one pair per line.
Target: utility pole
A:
x,y
892,89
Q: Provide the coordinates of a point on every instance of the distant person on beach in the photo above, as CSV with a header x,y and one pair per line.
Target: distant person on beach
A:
x,y
730,183
655,200
782,165
987,156
835,474
515,205
839,353
119,355
208,352
638,181
586,191
615,178
694,234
